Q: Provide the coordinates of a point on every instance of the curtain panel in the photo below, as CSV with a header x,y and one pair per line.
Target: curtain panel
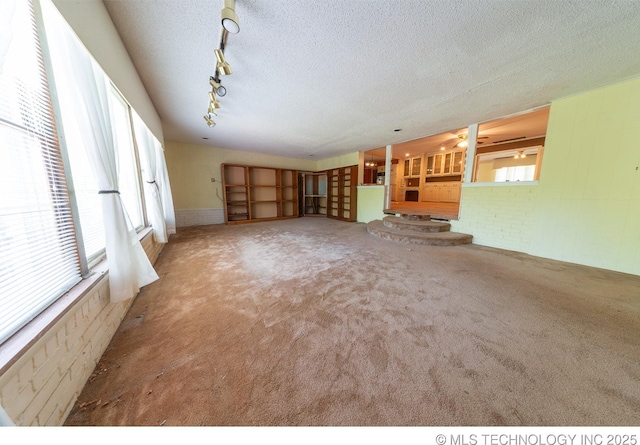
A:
x,y
129,267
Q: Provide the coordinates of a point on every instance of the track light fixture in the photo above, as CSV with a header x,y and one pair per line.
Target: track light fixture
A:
x,y
230,24
217,86
230,20
223,68
213,102
209,121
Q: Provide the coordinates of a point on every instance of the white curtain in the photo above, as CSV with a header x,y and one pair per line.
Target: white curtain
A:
x,y
162,178
153,201
129,267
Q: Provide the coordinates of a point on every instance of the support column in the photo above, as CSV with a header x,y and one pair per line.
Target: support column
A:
x,y
387,177
470,157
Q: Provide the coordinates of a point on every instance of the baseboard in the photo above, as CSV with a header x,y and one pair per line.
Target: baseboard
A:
x,y
199,217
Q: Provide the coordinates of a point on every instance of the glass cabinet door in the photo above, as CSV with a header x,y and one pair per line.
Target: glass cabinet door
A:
x,y
429,165
458,157
415,166
407,164
437,166
447,164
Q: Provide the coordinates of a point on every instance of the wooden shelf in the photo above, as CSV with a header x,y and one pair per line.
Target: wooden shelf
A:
x,y
342,193
267,193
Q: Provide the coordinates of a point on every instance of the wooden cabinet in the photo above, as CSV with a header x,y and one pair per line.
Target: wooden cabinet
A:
x,y
444,164
315,194
412,167
441,192
342,193
253,193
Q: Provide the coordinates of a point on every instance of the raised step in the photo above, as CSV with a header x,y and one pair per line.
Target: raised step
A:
x,y
378,229
414,217
416,225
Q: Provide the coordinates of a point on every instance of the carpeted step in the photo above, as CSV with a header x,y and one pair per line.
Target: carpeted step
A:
x,y
378,229
415,217
418,225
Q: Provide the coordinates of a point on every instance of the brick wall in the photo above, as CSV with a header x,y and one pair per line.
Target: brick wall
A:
x,y
42,385
498,215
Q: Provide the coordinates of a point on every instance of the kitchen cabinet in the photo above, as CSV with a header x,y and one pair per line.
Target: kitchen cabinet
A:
x,y
441,192
412,167
445,164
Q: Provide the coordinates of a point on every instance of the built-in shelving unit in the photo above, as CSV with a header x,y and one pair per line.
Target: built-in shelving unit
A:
x,y
315,194
254,194
342,193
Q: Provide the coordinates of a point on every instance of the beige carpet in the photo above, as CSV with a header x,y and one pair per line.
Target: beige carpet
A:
x,y
314,322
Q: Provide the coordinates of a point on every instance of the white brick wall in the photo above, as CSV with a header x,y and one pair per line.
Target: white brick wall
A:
x,y
199,217
498,216
41,386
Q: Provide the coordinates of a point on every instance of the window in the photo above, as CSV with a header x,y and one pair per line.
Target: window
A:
x,y
51,224
38,256
508,165
84,185
129,184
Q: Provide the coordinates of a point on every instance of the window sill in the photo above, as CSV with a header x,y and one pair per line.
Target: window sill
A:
x,y
499,184
12,349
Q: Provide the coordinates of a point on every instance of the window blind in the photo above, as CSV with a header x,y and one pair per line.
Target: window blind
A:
x,y
38,253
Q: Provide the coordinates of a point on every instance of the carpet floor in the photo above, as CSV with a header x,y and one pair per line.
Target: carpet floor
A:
x,y
313,321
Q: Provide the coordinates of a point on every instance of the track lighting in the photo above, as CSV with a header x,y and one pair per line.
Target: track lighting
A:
x,y
222,66
217,86
209,121
230,20
213,102
230,24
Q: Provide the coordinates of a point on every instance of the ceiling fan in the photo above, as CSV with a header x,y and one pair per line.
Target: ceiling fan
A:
x,y
461,141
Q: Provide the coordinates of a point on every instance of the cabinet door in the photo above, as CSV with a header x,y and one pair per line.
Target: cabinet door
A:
x,y
443,193
437,166
415,166
458,162
429,165
407,168
446,168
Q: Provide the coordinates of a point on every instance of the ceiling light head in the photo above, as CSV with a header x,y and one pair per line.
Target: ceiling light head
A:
x,y
230,20
217,87
209,121
212,109
222,66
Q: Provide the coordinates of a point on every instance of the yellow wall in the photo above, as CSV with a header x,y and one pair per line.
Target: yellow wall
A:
x,y
370,203
586,207
338,161
589,199
191,168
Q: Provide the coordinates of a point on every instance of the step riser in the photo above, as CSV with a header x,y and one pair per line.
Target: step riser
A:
x,y
424,229
425,241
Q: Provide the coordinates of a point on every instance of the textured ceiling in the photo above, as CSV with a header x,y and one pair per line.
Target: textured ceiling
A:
x,y
324,78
